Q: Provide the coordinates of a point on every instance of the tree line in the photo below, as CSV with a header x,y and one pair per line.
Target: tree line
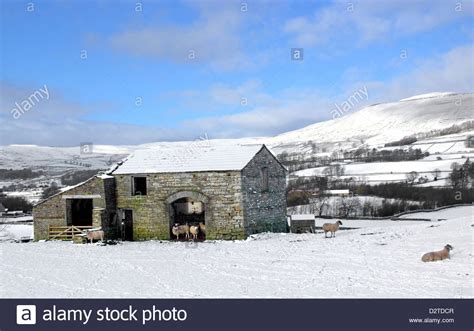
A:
x,y
25,173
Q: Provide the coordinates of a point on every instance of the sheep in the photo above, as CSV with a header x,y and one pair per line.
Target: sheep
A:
x,y
330,227
437,256
194,229
180,229
95,235
202,227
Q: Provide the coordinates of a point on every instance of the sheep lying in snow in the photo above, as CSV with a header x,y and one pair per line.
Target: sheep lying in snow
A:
x,y
202,227
437,256
95,235
179,230
330,227
194,229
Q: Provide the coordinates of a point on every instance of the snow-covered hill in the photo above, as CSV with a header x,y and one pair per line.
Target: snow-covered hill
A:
x,y
373,125
382,123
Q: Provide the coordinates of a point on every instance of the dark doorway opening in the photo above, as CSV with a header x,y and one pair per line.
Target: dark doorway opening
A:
x,y
127,225
188,211
81,212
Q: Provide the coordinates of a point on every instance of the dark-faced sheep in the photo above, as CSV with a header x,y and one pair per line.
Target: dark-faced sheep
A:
x,y
202,227
438,255
179,230
331,227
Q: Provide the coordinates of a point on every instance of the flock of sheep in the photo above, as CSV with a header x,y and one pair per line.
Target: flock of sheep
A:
x,y
188,230
194,230
428,257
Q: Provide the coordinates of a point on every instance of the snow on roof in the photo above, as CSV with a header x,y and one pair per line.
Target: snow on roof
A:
x,y
345,191
104,176
190,158
302,217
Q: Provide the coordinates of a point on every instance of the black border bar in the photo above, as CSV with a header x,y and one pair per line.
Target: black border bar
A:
x,y
256,314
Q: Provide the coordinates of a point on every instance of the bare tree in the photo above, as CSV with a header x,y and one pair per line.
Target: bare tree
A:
x,y
334,170
411,177
368,208
436,173
469,142
348,205
3,227
319,205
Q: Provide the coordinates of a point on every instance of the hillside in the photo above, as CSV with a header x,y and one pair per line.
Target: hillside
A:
x,y
382,123
376,124
371,127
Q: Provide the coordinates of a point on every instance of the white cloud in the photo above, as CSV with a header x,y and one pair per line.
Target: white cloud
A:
x,y
294,108
449,72
218,97
368,21
214,38
60,123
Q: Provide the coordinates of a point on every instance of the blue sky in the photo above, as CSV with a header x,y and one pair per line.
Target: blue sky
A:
x,y
128,72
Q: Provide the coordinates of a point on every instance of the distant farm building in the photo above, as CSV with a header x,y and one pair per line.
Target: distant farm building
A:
x,y
340,193
234,190
302,223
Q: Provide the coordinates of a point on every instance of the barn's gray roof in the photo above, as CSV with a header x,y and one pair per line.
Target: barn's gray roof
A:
x,y
193,158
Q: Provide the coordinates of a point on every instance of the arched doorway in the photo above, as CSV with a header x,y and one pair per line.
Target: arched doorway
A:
x,y
189,208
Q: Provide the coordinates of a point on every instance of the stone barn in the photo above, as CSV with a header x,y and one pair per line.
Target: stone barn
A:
x,y
235,190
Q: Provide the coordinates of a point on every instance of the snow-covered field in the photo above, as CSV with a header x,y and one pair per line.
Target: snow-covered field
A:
x,y
385,168
375,261
11,232
33,196
381,172
333,205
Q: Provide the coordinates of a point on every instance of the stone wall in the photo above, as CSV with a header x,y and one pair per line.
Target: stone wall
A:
x,y
53,211
302,226
265,210
151,212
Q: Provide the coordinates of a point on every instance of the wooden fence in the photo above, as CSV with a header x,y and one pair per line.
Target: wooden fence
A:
x,y
65,232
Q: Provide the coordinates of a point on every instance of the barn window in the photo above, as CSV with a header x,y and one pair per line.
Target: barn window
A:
x,y
264,173
139,186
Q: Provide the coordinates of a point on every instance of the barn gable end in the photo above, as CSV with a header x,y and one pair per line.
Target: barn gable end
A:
x,y
264,199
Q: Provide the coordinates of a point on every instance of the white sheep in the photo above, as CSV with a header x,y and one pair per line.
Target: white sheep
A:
x,y
95,235
330,227
438,255
194,229
180,229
